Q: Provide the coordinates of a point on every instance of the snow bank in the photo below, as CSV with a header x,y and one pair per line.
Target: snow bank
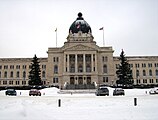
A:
x,y
79,106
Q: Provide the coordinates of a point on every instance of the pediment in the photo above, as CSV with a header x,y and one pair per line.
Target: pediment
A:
x,y
79,48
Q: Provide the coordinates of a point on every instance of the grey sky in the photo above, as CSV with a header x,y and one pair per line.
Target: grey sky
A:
x,y
27,27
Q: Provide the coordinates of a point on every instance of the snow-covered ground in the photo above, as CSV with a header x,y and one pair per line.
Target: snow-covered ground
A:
x,y
79,106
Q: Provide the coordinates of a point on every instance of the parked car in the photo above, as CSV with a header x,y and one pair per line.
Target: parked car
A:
x,y
102,91
118,91
34,92
153,91
11,92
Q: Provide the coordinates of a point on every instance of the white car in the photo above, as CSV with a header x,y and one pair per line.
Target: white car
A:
x,y
153,91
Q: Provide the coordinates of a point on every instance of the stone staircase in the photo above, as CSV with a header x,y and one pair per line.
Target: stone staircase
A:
x,y
85,91
81,86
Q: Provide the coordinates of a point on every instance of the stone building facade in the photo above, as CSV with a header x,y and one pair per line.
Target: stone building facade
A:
x,y
78,64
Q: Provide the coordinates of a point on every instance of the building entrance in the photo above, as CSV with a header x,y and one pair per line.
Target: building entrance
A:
x,y
88,80
72,80
80,80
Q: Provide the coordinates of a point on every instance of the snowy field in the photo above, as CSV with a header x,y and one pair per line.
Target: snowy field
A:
x,y
79,106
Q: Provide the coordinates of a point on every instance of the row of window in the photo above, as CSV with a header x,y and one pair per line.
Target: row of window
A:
x,y
18,66
144,73
80,57
11,82
80,69
138,81
18,74
143,65
17,82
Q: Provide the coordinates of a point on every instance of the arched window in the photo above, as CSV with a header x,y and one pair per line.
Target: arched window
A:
x,y
105,69
17,74
11,74
0,74
150,72
5,74
56,69
43,74
156,72
144,73
24,74
137,73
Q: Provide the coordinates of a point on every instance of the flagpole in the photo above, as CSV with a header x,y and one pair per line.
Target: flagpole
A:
x,y
102,28
56,36
103,38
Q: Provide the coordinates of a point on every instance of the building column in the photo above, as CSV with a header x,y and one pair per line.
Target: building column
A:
x,y
65,63
84,63
91,62
76,63
68,67
96,63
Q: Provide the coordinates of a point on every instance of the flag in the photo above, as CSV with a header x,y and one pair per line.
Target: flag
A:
x,y
101,28
56,30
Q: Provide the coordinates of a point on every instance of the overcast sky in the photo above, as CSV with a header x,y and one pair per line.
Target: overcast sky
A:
x,y
27,27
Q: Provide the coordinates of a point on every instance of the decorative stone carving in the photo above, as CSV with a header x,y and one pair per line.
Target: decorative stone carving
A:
x,y
79,47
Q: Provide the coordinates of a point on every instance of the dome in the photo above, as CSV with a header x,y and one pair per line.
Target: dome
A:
x,y
80,25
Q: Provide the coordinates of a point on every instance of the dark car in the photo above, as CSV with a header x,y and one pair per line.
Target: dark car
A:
x,y
118,91
34,92
102,91
11,92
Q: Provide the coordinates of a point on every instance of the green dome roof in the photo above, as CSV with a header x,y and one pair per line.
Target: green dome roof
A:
x,y
80,25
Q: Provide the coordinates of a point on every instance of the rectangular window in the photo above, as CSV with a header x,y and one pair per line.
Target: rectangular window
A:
x,y
0,66
23,82
57,59
55,80
105,79
17,82
137,65
93,57
104,58
130,65
5,66
11,66
144,80
138,81
4,82
151,80
143,65
10,82
17,66
149,64
24,66
43,66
